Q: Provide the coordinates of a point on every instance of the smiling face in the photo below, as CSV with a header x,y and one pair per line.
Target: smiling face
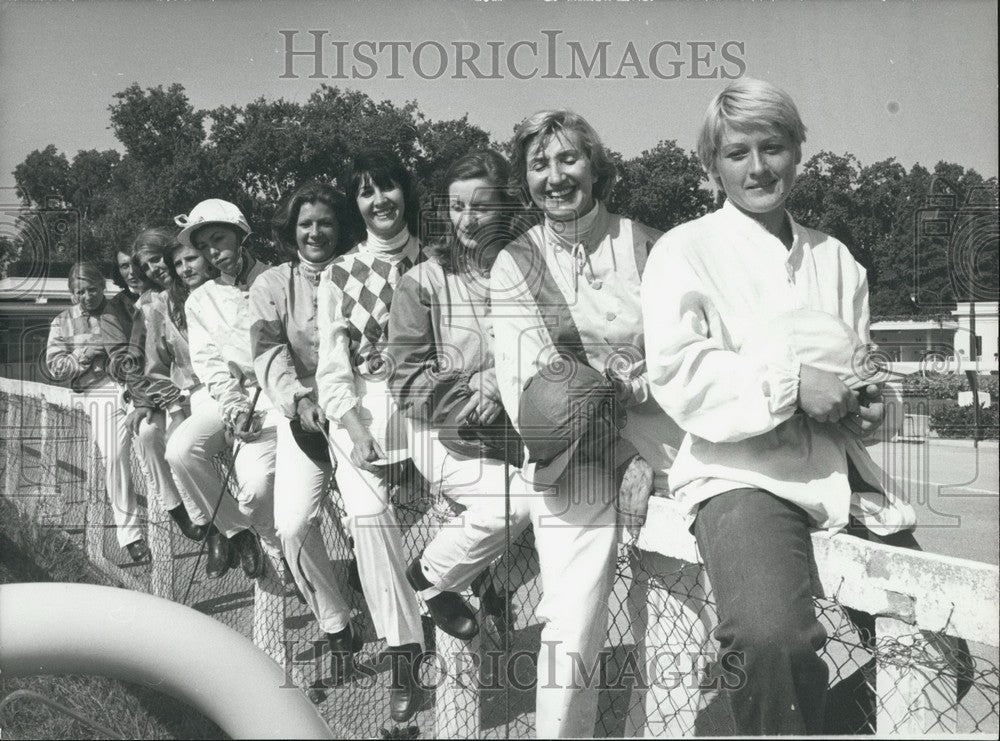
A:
x,y
475,209
221,245
560,176
154,266
384,211
316,232
87,293
191,266
129,274
756,169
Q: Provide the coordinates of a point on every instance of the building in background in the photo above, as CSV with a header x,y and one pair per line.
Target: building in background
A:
x,y
944,343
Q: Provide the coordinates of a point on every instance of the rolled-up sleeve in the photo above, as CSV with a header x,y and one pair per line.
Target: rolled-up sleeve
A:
x,y
272,358
710,390
334,372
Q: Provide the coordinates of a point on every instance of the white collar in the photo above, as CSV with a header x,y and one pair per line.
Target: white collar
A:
x,y
572,231
387,247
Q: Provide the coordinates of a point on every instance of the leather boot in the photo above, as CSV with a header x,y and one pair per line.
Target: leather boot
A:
x,y
190,531
217,554
343,645
139,551
405,693
448,610
250,555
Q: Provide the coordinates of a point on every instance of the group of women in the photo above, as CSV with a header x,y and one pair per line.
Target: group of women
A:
x,y
541,323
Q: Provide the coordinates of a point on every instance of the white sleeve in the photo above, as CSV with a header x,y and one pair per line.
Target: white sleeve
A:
x,y
334,372
522,342
709,390
207,360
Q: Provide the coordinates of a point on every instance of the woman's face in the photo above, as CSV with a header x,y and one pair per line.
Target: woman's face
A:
x,y
756,168
87,293
316,232
384,211
475,209
129,274
221,245
154,266
191,266
560,176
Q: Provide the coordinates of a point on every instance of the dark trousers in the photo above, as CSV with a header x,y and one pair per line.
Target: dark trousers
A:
x,y
756,550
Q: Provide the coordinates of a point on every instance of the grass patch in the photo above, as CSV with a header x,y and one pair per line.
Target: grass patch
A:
x,y
32,553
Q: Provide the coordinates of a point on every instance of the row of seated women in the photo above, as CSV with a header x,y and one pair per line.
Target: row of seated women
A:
x,y
542,364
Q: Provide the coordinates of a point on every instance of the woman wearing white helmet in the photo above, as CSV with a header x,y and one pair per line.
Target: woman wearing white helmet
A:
x,y
218,319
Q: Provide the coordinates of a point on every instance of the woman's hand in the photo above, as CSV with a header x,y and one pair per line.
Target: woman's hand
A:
x,y
90,354
823,396
484,405
479,410
133,419
870,414
366,448
310,415
252,431
485,382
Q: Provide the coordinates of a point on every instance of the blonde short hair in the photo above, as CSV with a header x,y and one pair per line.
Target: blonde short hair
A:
x,y
748,103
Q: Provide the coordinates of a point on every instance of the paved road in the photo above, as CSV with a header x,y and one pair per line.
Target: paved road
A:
x,y
954,489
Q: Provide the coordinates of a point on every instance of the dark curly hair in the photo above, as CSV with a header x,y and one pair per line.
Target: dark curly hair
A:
x,y
287,215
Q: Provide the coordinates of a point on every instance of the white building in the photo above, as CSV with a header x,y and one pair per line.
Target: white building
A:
x,y
941,344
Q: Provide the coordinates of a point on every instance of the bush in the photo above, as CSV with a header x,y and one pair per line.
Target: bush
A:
x,y
956,421
947,386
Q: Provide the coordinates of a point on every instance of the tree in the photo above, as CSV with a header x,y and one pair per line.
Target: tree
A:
x,y
662,187
42,179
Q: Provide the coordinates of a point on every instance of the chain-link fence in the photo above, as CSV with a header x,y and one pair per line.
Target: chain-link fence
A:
x,y
660,673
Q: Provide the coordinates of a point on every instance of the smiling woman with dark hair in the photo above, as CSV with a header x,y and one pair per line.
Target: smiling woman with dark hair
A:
x,y
283,335
354,297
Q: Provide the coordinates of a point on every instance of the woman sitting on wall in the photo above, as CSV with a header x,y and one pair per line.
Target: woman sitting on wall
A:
x,y
218,320
444,380
87,346
151,256
355,294
311,226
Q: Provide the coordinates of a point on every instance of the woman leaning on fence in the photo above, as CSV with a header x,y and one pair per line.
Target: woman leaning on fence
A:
x,y
151,258
570,368
755,331
311,226
218,321
443,378
87,346
355,294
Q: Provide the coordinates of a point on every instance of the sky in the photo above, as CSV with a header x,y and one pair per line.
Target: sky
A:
x,y
912,80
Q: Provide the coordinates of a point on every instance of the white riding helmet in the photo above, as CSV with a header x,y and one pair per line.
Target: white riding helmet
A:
x,y
211,211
